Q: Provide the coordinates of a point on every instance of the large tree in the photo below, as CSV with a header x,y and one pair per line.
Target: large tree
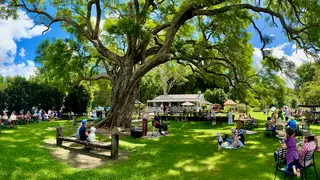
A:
x,y
131,37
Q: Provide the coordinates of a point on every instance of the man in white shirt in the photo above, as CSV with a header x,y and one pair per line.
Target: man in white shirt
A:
x,y
287,113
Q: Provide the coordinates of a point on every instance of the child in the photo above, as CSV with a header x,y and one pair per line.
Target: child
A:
x,y
292,152
92,135
220,141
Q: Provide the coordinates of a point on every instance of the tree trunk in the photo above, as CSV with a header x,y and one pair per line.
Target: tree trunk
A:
x,y
122,106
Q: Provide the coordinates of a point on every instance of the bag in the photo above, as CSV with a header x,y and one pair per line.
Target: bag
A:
x,y
165,127
156,124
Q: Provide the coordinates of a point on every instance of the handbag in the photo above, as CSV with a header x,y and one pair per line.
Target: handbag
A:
x,y
156,124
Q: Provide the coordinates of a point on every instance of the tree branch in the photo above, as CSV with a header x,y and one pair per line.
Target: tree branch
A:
x,y
97,77
88,19
98,19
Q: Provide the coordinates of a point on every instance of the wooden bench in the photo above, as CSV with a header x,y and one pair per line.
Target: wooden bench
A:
x,y
114,146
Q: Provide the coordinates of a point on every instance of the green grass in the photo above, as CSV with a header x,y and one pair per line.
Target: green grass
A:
x,y
190,152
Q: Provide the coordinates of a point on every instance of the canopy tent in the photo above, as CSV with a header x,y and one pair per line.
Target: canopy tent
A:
x,y
229,102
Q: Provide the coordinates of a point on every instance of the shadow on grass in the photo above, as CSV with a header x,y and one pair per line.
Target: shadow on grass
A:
x,y
189,152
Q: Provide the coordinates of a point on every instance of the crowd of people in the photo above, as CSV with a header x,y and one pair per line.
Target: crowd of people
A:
x,y
282,116
295,157
25,118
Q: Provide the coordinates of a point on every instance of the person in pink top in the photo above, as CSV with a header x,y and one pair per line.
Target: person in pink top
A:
x,y
308,146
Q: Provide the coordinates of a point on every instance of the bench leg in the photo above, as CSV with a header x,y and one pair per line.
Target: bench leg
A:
x,y
114,146
58,134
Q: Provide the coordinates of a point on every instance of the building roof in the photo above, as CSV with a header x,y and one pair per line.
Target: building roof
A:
x,y
177,98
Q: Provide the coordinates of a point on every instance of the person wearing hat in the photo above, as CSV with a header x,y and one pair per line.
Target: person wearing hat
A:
x,y
282,151
308,146
83,134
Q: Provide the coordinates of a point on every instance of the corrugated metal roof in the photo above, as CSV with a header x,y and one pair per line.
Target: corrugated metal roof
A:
x,y
177,98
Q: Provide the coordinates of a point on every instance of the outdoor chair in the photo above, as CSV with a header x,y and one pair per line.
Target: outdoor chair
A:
x,y
269,132
252,124
282,167
308,156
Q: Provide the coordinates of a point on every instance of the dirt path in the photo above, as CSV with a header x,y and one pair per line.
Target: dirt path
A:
x,y
77,156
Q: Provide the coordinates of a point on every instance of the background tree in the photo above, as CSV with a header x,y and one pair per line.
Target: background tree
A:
x,y
138,35
77,100
217,96
310,89
306,73
170,74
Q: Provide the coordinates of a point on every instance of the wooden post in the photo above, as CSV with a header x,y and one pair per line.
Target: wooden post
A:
x,y
74,120
114,146
58,134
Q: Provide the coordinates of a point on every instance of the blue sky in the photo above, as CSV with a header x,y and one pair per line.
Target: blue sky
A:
x,y
30,45
19,40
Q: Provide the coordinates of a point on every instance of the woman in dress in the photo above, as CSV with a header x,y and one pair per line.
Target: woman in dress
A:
x,y
308,146
94,115
230,120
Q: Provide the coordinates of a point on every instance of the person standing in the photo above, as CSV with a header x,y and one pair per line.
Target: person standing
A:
x,y
287,113
94,115
144,125
230,118
39,116
213,116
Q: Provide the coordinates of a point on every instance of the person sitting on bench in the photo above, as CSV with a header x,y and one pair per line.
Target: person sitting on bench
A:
x,y
83,134
157,123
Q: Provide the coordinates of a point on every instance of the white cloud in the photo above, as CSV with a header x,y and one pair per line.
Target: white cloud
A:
x,y
298,56
11,31
23,69
22,52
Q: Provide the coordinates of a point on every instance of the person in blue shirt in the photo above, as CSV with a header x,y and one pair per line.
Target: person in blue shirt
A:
x,y
83,131
292,124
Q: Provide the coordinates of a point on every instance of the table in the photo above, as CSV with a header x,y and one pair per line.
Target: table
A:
x,y
241,122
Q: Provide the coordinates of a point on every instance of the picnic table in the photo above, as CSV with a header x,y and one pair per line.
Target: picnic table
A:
x,y
242,122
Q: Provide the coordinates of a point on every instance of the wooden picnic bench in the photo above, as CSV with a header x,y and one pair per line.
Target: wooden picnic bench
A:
x,y
114,146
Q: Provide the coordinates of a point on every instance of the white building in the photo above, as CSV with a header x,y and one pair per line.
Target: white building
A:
x,y
177,102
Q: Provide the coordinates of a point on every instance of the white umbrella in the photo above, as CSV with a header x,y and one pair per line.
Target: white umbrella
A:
x,y
187,104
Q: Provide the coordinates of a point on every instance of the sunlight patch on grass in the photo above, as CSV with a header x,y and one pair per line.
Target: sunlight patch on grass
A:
x,y
183,163
260,155
172,172
192,168
211,162
144,164
130,145
23,160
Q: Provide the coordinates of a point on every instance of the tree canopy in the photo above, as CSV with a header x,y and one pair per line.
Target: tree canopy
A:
x,y
309,83
20,94
127,39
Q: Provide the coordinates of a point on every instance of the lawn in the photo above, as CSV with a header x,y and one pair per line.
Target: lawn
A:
x,y
190,152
